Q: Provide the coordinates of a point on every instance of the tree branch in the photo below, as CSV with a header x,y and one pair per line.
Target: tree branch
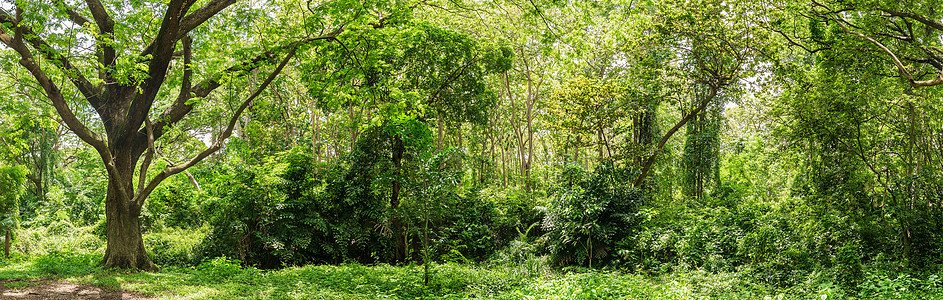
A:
x,y
194,20
89,91
919,18
180,107
101,16
900,66
62,108
218,143
147,157
106,29
647,166
74,16
200,15
165,42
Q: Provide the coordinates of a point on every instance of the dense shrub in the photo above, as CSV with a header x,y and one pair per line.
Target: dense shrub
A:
x,y
173,204
60,237
517,211
462,228
592,215
175,247
286,211
66,264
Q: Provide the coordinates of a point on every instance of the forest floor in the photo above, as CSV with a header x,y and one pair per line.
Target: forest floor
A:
x,y
73,276
30,289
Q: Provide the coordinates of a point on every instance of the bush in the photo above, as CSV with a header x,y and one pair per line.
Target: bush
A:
x,y
217,270
592,215
456,235
173,204
517,211
66,264
175,247
289,212
61,238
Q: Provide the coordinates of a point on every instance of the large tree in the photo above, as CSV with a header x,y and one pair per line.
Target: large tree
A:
x,y
143,68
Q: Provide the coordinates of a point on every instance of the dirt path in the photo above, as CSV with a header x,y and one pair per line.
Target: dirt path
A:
x,y
46,289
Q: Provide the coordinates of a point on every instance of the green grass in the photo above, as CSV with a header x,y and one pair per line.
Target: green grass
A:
x,y
224,279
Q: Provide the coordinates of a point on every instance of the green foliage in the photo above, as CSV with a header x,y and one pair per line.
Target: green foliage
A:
x,y
815,172
217,269
517,212
286,212
66,264
175,247
174,204
698,234
60,237
224,278
701,153
11,186
592,215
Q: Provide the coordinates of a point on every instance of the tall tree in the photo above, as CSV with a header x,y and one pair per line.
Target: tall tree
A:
x,y
137,85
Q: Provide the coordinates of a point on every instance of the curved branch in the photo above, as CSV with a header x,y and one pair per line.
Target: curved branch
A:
x,y
194,19
88,90
62,108
900,66
102,18
181,106
218,143
919,18
165,42
106,29
647,166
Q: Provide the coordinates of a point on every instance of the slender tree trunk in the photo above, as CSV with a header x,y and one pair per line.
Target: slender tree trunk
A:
x,y
315,120
647,164
530,148
494,157
6,244
504,164
599,144
459,133
399,251
352,126
440,129
533,90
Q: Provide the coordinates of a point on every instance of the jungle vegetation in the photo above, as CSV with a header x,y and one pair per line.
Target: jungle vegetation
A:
x,y
696,148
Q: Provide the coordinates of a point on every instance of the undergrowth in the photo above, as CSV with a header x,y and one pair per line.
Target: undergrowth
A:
x,y
224,278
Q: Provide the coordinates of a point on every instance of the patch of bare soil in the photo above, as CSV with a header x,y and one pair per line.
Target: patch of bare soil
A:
x,y
46,289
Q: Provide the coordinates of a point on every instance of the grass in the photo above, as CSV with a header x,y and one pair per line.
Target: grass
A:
x,y
224,279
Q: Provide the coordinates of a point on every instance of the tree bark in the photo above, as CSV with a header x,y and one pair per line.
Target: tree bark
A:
x,y
440,130
316,134
6,244
399,237
125,245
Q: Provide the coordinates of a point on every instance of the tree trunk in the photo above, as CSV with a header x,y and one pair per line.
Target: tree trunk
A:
x,y
315,120
532,92
6,244
399,251
439,133
125,244
459,133
647,164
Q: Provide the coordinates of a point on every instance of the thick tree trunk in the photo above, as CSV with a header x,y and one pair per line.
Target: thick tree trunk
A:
x,y
125,248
